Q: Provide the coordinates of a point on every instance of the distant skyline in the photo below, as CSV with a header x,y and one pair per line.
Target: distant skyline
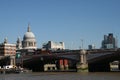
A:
x,y
60,20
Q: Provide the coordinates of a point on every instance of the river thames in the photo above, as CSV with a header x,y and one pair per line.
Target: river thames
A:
x,y
62,76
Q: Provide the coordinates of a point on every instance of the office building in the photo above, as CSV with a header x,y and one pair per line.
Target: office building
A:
x,y
109,42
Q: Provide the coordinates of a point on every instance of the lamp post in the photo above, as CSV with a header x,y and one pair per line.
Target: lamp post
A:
x,y
81,43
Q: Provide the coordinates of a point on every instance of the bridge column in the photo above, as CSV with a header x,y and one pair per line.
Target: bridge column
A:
x,y
61,64
82,66
12,60
66,64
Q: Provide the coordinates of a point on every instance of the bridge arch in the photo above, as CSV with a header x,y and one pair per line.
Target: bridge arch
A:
x,y
102,63
37,62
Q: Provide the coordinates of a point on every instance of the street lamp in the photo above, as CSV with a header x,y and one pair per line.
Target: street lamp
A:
x,y
82,43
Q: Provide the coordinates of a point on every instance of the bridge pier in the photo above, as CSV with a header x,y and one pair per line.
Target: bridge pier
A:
x,y
61,64
99,67
66,64
82,66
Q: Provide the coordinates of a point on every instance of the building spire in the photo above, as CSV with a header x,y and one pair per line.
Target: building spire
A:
x,y
6,40
28,28
18,40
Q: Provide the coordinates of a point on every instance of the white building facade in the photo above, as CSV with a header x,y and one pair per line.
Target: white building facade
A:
x,y
54,45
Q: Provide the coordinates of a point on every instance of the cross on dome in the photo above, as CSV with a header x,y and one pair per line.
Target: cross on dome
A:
x,y
28,28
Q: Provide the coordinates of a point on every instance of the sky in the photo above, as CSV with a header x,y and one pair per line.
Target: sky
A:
x,y
69,21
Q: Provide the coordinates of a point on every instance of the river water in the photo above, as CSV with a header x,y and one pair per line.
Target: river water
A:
x,y
62,76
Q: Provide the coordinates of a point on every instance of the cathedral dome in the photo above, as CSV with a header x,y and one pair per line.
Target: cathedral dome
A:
x,y
29,40
29,35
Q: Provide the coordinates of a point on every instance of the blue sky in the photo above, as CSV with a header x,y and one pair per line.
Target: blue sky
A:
x,y
60,20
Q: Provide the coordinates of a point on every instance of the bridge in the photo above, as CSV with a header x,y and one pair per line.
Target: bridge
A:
x,y
96,60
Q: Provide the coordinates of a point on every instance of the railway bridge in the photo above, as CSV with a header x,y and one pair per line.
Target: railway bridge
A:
x,y
95,60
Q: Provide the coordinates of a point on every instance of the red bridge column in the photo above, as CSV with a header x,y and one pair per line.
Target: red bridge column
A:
x,y
66,64
61,64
